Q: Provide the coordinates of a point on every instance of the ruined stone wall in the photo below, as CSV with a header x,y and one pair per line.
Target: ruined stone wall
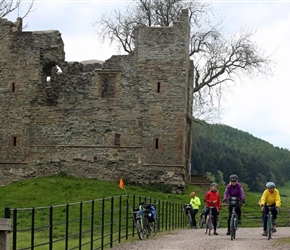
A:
x,y
76,133
129,116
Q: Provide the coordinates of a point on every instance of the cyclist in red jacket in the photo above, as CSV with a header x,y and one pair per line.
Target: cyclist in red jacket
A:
x,y
212,199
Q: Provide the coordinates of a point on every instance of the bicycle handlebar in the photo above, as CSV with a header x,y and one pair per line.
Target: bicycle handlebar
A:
x,y
148,204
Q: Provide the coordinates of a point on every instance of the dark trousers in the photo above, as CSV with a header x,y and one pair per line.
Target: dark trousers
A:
x,y
193,214
238,211
214,214
265,218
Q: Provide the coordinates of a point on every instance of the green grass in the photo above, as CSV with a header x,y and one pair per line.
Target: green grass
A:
x,y
55,190
285,194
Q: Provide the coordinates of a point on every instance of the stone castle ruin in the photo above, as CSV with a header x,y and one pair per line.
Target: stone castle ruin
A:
x,y
128,117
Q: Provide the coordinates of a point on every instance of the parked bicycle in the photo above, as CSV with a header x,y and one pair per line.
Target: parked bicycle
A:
x,y
145,220
201,219
234,202
209,222
188,211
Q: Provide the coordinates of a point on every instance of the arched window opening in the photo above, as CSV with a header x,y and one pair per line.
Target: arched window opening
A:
x,y
47,73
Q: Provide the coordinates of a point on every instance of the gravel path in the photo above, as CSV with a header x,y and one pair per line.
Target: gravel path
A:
x,y
188,239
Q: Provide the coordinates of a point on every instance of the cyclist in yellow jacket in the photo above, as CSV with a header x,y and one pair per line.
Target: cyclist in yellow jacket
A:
x,y
270,198
195,203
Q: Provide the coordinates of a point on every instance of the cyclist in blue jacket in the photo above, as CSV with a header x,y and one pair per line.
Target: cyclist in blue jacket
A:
x,y
234,189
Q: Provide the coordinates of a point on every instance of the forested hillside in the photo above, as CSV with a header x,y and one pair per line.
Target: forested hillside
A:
x,y
220,150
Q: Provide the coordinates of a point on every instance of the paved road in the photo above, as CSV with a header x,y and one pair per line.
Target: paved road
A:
x,y
191,239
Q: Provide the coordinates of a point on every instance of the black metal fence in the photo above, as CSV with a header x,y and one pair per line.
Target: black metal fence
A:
x,y
94,224
102,223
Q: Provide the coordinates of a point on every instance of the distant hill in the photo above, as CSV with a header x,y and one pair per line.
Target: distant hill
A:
x,y
220,150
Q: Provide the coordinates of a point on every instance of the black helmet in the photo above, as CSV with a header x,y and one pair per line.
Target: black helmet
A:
x,y
233,177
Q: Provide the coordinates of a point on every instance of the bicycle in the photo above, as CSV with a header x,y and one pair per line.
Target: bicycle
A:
x,y
270,223
209,222
151,220
188,212
201,220
234,202
148,220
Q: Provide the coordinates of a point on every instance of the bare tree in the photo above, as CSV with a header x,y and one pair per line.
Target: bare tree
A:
x,y
217,59
9,6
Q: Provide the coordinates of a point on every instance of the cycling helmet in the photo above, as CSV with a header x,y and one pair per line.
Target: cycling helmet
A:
x,y
270,184
192,194
233,177
213,184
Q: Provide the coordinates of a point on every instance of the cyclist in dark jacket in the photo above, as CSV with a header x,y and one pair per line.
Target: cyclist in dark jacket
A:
x,y
234,189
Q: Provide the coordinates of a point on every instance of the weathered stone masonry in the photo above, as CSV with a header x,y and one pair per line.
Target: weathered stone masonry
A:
x,y
129,117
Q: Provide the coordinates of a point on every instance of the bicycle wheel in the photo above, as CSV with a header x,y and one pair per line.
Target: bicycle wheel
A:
x,y
206,225
219,221
146,229
269,227
210,224
153,228
232,227
201,221
139,229
235,225
190,222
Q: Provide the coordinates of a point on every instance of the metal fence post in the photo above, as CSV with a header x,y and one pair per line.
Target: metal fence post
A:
x,y
5,226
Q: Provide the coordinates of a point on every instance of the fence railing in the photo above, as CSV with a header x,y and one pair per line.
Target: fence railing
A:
x,y
94,224
102,223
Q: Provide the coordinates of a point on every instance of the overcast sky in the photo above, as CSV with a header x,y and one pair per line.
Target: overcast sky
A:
x,y
258,106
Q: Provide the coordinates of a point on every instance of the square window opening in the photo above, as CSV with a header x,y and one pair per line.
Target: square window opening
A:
x,y
107,87
117,139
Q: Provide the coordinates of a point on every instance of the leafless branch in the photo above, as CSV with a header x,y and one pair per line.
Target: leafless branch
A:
x,y
9,6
